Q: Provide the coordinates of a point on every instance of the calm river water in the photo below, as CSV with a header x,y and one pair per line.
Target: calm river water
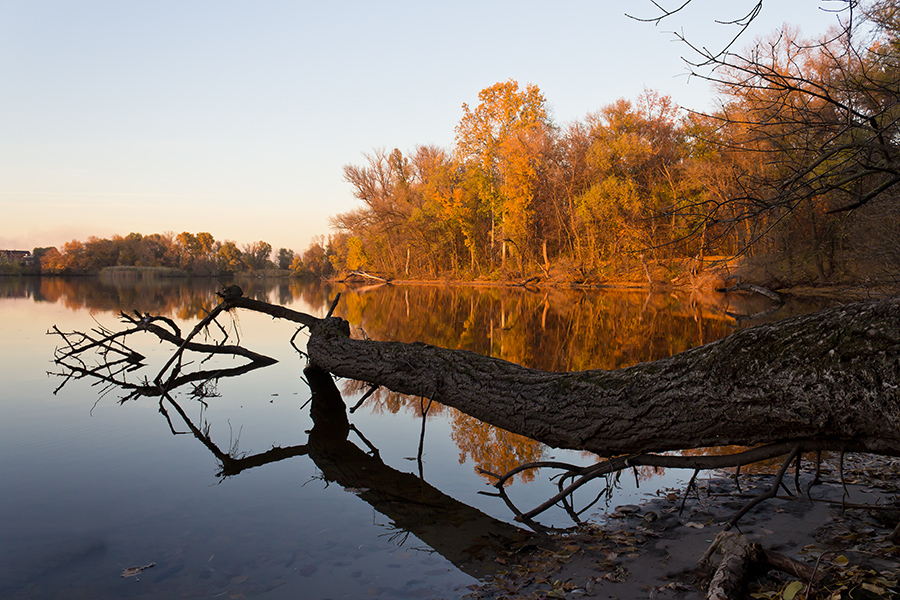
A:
x,y
232,490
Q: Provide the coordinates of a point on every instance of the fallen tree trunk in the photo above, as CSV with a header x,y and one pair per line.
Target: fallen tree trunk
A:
x,y
364,275
825,380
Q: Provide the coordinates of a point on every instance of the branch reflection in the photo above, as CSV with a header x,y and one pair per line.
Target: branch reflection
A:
x,y
468,538
465,536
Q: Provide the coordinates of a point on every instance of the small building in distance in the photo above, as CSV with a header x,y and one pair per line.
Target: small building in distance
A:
x,y
22,257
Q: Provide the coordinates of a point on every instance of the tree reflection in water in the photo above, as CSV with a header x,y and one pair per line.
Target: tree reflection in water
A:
x,y
551,330
463,535
554,330
467,537
489,448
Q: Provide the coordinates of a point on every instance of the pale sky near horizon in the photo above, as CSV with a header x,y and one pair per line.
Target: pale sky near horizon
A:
x,y
237,117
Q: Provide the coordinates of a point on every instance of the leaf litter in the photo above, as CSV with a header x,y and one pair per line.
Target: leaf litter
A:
x,y
135,571
625,555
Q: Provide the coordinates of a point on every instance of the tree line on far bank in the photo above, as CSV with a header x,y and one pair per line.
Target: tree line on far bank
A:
x,y
799,165
801,161
195,254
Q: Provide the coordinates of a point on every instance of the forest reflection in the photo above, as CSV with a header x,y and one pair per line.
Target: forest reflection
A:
x,y
176,297
465,536
556,330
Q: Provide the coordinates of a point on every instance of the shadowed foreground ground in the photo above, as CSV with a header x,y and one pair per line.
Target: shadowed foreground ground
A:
x,y
651,551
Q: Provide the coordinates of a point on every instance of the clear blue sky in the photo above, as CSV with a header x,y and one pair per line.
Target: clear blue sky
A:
x,y
236,117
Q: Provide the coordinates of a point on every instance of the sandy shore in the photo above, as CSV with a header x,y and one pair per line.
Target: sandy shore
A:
x,y
651,551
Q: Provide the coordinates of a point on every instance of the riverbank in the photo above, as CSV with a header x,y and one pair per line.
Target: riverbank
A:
x,y
710,276
652,550
127,273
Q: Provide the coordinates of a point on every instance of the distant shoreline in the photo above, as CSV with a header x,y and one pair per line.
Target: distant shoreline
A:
x,y
710,280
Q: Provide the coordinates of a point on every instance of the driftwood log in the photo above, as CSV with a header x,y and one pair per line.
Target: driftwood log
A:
x,y
828,380
364,275
749,287
739,555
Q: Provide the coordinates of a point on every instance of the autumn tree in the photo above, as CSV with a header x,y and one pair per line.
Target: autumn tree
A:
x,y
206,242
52,261
298,267
712,174
285,257
503,139
822,115
157,250
188,247
229,258
384,188
129,248
445,216
207,246
634,158
315,258
416,216
256,255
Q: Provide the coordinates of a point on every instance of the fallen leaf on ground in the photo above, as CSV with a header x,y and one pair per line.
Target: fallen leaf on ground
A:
x,y
132,571
791,590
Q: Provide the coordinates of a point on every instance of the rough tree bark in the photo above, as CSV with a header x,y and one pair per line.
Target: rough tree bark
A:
x,y
825,380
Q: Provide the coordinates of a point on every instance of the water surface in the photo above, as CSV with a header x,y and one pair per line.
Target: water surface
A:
x,y
245,493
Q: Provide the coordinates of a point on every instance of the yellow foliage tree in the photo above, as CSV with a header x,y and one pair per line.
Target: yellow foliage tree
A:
x,y
503,138
356,254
